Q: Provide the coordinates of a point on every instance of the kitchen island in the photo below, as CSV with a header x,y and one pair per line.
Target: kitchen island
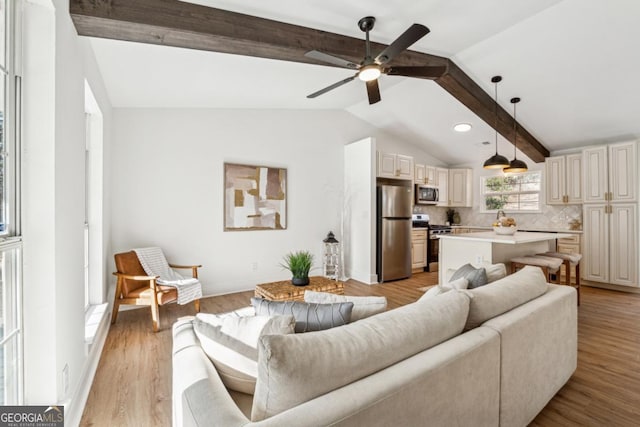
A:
x,y
457,250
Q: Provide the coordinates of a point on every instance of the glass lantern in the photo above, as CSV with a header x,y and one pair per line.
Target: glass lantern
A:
x,y
331,257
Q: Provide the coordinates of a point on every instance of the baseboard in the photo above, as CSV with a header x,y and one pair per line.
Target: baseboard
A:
x,y
75,406
610,286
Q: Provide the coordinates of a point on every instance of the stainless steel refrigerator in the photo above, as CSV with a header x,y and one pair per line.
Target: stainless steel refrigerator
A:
x,y
393,232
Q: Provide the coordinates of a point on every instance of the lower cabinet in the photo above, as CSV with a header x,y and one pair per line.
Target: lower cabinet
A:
x,y
418,249
610,243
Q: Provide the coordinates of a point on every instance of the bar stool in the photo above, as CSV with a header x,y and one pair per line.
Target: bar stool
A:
x,y
549,265
569,260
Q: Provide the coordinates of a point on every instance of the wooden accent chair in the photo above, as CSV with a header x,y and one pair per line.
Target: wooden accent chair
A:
x,y
136,288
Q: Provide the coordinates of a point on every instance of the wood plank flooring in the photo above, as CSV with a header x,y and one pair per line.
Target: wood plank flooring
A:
x,y
132,386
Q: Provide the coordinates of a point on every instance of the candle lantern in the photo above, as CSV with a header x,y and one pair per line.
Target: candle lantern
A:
x,y
331,257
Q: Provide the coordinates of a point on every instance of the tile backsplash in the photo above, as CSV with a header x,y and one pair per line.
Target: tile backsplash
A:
x,y
552,217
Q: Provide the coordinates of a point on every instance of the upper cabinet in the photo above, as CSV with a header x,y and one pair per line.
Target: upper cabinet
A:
x,y
442,181
564,179
424,174
610,173
460,190
391,165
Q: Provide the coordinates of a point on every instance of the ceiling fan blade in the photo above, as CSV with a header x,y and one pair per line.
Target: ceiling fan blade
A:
x,y
409,37
373,91
425,72
325,57
333,86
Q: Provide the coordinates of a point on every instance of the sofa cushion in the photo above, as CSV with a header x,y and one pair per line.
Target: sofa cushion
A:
x,y
231,345
309,316
505,294
476,276
460,283
293,369
362,306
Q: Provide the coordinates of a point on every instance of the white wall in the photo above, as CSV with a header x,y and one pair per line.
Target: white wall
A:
x,y
56,65
167,185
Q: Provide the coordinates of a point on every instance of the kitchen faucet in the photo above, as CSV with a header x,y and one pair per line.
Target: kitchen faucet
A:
x,y
500,214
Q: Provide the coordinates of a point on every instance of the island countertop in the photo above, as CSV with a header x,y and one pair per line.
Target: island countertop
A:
x,y
518,238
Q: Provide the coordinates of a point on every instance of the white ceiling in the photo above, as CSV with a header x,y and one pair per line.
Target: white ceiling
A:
x,y
573,62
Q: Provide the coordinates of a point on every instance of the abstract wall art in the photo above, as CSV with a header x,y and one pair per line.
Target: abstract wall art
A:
x,y
255,197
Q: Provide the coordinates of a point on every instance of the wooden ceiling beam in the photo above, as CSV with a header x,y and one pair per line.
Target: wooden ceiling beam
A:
x,y
179,24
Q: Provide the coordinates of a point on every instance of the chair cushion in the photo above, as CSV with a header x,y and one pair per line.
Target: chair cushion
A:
x,y
553,264
309,316
128,263
572,258
362,306
166,294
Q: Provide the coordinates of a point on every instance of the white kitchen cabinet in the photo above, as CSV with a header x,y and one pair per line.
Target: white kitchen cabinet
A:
x,y
610,243
610,173
391,165
418,249
419,175
610,214
623,224
564,179
430,175
442,181
460,191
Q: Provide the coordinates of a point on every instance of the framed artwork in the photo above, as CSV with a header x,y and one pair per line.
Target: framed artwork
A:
x,y
255,197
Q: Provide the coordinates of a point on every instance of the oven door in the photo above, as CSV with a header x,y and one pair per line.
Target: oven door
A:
x,y
433,247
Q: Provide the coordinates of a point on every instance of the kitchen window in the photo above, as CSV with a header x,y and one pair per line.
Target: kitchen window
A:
x,y
513,193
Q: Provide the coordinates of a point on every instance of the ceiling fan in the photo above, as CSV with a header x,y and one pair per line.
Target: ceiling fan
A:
x,y
371,68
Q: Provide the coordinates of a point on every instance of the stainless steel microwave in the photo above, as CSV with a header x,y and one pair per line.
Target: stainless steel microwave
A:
x,y
426,194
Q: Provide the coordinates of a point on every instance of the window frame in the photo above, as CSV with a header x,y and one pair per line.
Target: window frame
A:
x,y
484,193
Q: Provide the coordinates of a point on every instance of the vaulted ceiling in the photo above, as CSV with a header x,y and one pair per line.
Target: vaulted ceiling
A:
x,y
573,63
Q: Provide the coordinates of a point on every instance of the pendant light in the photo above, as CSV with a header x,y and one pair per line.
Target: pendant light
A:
x,y
515,165
496,161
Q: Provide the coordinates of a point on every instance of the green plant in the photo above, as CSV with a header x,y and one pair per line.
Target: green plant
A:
x,y
298,263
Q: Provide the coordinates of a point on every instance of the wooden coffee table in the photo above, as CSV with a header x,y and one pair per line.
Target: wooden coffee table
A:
x,y
285,291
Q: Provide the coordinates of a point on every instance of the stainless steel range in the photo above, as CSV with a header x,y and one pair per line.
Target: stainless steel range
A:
x,y
433,241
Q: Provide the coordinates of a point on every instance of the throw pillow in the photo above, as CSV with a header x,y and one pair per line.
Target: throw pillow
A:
x,y
362,306
231,345
495,271
309,316
460,283
476,276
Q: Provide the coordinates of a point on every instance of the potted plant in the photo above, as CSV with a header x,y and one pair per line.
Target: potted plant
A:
x,y
298,263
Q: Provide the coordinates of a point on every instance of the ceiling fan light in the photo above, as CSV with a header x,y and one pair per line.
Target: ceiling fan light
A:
x,y
369,73
496,162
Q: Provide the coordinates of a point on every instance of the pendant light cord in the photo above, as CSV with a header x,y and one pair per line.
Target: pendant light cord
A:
x,y
495,115
515,131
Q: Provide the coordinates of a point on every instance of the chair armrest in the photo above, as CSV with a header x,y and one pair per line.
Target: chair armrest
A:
x,y
131,277
184,266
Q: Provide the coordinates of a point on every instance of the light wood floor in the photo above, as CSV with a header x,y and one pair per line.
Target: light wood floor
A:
x,y
132,386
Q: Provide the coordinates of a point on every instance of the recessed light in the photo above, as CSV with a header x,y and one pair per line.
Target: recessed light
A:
x,y
485,143
462,127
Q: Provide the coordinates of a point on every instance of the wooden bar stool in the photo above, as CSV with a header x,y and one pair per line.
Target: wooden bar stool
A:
x,y
549,265
569,260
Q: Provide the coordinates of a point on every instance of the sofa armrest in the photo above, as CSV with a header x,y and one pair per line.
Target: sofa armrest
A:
x,y
199,396
539,346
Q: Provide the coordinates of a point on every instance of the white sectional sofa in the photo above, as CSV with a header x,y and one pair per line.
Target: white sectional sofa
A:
x,y
491,356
